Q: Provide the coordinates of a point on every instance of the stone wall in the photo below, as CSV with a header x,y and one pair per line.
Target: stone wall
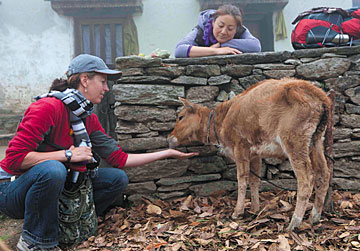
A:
x,y
147,103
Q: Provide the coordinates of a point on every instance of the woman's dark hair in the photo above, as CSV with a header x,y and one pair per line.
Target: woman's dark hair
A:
x,y
73,81
228,9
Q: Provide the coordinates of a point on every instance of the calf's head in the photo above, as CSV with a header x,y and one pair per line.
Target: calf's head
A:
x,y
189,124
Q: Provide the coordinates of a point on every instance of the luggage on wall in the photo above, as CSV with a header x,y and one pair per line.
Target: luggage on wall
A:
x,y
326,27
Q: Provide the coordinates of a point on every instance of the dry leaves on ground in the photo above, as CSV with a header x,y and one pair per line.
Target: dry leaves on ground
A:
x,y
205,224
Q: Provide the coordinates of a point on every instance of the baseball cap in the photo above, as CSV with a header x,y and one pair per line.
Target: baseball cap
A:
x,y
90,63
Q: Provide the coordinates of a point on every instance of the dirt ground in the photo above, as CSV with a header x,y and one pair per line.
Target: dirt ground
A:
x,y
10,230
193,223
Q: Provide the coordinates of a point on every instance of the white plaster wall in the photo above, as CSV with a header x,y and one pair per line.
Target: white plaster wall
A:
x,y
36,46
164,23
295,7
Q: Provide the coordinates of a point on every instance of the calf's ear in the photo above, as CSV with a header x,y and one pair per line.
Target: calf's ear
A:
x,y
187,104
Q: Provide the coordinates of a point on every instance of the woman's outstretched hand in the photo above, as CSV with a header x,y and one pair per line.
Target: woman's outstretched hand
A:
x,y
180,155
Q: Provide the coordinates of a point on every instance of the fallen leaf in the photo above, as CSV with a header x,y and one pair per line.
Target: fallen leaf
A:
x,y
278,217
186,204
155,245
194,223
233,225
346,204
176,214
176,246
283,243
205,214
153,209
343,235
355,244
286,206
202,241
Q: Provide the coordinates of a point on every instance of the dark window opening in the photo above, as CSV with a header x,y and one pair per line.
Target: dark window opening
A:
x,y
101,37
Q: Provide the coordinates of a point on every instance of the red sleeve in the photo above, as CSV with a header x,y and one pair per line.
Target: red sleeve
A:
x,y
38,120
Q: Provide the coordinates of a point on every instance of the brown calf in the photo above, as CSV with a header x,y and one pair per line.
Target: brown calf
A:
x,y
274,118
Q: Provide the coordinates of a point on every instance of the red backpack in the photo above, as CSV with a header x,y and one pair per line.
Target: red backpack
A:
x,y
326,27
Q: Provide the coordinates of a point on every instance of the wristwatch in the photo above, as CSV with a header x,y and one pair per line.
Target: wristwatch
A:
x,y
68,155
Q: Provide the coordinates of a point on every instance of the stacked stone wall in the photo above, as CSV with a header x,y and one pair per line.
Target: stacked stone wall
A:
x,y
147,104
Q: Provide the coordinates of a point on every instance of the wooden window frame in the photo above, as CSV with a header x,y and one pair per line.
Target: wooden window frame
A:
x,y
78,22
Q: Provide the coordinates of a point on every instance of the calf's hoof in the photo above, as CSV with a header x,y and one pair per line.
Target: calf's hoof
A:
x,y
315,216
235,215
294,223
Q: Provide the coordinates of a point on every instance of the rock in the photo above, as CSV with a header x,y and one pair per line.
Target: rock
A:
x,y
157,170
223,96
176,187
203,71
342,133
273,67
141,188
170,72
207,189
278,74
166,196
354,94
130,127
203,165
346,169
136,61
202,94
136,113
219,80
323,68
351,121
188,80
346,184
352,109
236,71
187,179
144,79
250,80
346,149
148,94
141,144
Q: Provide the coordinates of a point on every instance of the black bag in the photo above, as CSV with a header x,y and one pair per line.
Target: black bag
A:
x,y
77,216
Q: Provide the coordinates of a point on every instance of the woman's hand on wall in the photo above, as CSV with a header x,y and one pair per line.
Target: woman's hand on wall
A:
x,y
227,51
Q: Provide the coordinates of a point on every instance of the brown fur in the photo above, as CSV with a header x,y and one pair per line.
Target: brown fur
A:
x,y
283,118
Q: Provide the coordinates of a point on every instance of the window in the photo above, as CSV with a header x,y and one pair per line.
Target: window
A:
x,y
356,3
99,26
100,37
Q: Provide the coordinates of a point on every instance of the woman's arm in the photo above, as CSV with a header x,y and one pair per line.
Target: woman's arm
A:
x,y
199,51
82,153
182,48
246,43
145,158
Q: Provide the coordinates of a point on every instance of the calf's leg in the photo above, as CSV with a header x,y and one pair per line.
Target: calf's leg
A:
x,y
322,178
304,174
255,166
242,179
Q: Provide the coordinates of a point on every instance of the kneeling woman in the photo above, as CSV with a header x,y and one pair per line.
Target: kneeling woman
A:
x,y
218,32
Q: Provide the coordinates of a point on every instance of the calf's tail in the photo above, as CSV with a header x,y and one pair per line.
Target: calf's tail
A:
x,y
322,125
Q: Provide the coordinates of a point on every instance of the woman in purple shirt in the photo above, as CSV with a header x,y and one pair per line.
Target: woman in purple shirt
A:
x,y
218,32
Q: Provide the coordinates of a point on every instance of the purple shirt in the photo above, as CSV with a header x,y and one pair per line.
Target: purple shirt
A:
x,y
246,43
